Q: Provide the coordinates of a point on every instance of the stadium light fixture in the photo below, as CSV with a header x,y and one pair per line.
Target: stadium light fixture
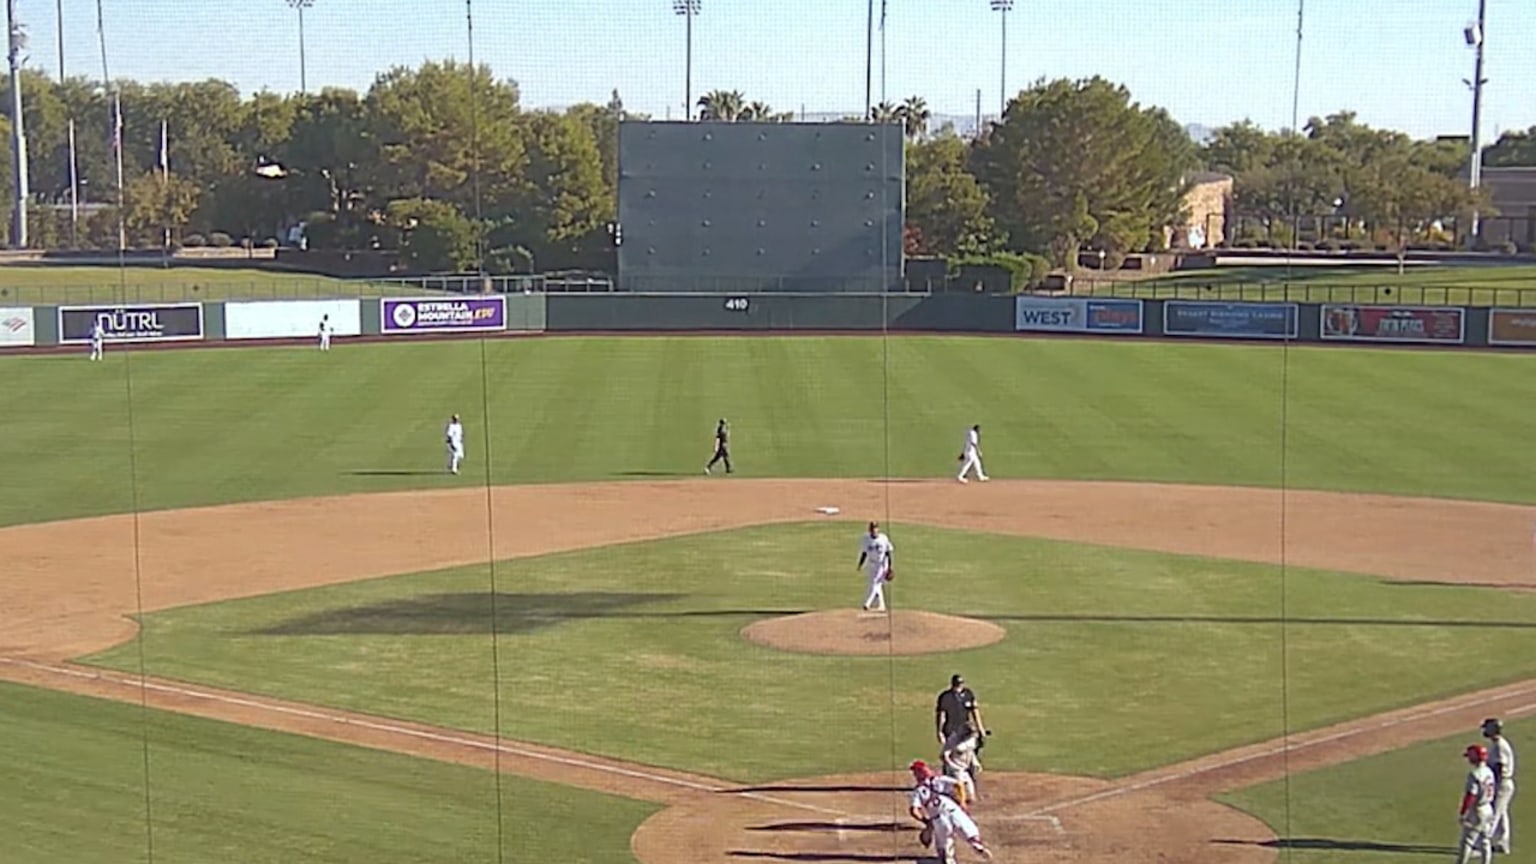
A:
x,y
300,6
1003,6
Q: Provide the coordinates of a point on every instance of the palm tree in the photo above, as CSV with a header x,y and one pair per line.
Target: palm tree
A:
x,y
722,106
885,112
914,116
757,112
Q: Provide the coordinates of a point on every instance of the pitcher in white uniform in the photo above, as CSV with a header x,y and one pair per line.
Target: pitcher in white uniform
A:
x,y
875,560
970,455
931,804
1501,761
454,437
1476,814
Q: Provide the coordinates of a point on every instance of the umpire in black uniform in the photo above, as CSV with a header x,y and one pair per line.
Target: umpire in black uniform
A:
x,y
954,708
722,447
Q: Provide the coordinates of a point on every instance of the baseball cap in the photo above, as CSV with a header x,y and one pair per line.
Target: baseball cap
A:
x,y
956,679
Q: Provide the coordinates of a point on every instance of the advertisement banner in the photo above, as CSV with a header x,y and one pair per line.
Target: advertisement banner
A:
x,y
164,322
1232,320
1076,315
440,316
291,319
1512,327
17,327
1438,324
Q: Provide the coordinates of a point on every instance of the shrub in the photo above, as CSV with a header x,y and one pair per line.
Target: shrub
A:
x,y
221,240
1508,248
1306,246
194,241
269,243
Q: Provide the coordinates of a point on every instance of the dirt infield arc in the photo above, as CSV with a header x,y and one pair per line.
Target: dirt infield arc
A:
x,y
72,584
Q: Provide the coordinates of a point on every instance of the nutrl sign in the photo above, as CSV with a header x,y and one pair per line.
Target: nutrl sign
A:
x,y
147,323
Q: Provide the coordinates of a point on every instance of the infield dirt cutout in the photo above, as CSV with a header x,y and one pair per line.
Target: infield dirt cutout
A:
x,y
71,587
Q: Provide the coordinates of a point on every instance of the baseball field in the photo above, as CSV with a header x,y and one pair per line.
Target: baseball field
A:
x,y
1220,603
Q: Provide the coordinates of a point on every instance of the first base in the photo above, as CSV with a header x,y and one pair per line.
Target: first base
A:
x,y
828,511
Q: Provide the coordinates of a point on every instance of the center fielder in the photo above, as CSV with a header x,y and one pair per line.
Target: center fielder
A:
x,y
934,803
1476,816
453,436
325,332
875,560
1501,761
98,340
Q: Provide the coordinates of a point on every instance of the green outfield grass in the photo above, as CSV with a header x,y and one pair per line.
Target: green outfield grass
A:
x,y
633,651
212,426
74,790
39,285
1417,285
1383,809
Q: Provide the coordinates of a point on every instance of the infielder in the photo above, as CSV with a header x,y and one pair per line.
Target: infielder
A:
x,y
454,437
325,332
960,759
1476,816
1501,761
875,561
970,455
933,803
98,340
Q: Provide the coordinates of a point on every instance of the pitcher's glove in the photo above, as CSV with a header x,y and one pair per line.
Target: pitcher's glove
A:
x,y
890,575
925,836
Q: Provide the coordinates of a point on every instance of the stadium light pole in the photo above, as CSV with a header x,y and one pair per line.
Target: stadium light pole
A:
x,y
688,9
300,6
18,44
1474,36
1003,6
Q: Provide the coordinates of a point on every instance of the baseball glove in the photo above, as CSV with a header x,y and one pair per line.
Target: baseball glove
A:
x,y
925,836
890,575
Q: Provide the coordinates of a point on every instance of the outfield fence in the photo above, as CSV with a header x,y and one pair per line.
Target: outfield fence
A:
x,y
1309,292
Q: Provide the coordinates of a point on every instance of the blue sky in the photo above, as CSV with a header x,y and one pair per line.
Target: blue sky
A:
x,y
1398,63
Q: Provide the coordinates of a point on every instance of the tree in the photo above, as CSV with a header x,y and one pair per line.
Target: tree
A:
x,y
1077,161
154,202
434,235
914,116
1514,149
722,106
946,206
565,205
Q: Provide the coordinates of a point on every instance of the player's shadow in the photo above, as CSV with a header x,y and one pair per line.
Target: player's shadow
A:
x,y
849,788
820,855
396,472
463,613
1327,844
873,827
654,473
1267,620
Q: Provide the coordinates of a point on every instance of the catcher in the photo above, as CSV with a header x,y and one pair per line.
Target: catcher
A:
x,y
938,803
875,560
961,762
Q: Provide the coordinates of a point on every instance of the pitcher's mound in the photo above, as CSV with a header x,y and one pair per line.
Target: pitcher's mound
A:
x,y
850,631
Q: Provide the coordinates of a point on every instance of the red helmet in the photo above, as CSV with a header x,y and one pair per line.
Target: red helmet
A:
x,y
920,769
1476,754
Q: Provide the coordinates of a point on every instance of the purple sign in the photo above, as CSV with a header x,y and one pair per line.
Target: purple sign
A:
x,y
438,316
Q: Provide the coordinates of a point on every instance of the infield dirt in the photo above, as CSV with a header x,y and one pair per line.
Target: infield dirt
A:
x,y
72,586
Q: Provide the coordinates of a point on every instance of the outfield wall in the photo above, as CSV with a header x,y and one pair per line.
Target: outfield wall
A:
x,y
404,318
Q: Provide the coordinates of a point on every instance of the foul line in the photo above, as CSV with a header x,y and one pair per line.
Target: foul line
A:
x,y
409,732
1287,747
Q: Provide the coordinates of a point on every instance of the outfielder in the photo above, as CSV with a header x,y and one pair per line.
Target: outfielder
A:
x,y
98,340
325,332
875,560
1501,761
934,803
453,436
970,455
1476,816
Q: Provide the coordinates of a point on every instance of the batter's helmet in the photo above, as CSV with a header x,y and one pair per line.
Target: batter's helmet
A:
x,y
1477,753
1492,727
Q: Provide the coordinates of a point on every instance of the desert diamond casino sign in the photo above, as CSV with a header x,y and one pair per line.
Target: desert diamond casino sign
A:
x,y
439,316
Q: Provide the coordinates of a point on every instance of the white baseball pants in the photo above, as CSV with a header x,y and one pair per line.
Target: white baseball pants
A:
x,y
971,462
1502,834
875,597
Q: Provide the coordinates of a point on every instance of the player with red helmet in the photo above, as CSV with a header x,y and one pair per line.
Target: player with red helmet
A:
x,y
1476,816
936,803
